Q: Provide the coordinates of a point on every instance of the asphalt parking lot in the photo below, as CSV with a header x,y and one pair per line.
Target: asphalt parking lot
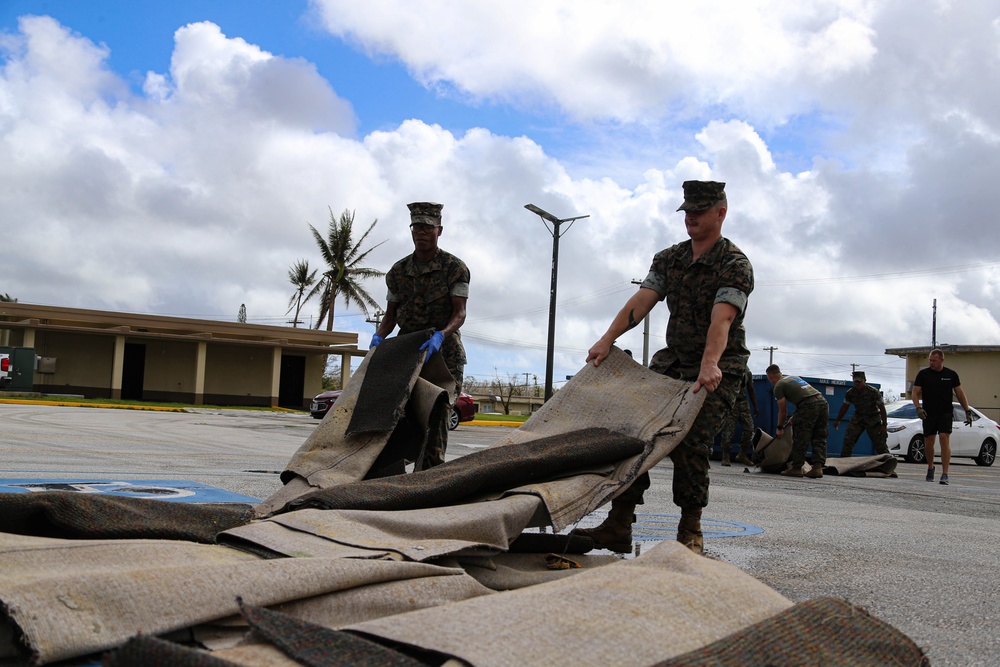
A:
x,y
919,556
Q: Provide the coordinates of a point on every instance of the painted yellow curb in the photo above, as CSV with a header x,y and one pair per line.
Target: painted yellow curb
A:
x,y
75,404
477,422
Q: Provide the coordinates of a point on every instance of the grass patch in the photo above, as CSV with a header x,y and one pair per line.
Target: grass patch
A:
x,y
502,418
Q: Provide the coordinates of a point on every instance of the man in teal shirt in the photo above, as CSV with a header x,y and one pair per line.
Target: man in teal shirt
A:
x,y
812,414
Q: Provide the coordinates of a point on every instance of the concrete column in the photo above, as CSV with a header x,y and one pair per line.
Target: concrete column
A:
x,y
345,370
199,372
118,367
275,376
29,338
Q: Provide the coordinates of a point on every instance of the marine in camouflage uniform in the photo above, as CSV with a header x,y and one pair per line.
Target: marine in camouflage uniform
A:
x,y
740,415
811,421
705,282
428,291
869,416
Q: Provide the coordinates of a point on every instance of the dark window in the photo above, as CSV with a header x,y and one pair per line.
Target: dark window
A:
x,y
905,411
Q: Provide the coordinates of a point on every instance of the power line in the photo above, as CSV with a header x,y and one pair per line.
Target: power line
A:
x,y
566,303
879,276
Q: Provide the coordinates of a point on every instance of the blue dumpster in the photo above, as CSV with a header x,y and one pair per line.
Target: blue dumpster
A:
x,y
833,391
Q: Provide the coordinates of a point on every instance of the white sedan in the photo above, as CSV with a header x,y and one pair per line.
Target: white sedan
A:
x,y
978,442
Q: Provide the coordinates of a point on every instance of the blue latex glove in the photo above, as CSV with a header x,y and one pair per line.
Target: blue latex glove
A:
x,y
432,345
376,339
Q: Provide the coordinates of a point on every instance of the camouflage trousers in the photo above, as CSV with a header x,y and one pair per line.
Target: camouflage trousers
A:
x,y
437,437
856,427
740,415
690,457
810,425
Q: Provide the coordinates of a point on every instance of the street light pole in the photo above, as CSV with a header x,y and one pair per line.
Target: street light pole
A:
x,y
545,215
645,333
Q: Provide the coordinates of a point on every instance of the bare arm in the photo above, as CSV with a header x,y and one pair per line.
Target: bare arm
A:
x,y
636,308
843,411
709,376
916,396
961,398
753,400
388,322
457,316
782,415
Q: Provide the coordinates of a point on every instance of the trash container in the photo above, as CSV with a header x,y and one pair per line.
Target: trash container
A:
x,y
17,368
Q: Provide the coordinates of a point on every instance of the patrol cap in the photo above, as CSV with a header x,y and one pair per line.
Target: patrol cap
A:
x,y
702,195
425,213
859,375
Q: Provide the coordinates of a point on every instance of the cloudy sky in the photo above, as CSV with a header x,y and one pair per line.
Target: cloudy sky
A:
x,y
169,159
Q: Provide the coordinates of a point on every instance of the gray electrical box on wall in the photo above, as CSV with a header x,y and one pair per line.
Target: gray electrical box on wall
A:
x,y
46,365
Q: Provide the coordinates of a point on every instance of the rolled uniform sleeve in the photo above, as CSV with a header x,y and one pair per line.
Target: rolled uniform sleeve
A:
x,y
657,282
733,297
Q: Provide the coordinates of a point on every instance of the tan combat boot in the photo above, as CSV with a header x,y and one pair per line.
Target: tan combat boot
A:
x,y
615,534
725,458
794,472
689,529
744,459
815,472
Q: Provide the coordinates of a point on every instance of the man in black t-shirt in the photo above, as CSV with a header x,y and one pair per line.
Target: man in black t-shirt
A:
x,y
935,385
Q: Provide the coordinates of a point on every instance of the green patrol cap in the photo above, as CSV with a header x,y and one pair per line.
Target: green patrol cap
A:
x,y
859,375
702,195
425,213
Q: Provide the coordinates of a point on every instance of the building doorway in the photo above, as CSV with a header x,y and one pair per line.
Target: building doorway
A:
x,y
133,371
291,382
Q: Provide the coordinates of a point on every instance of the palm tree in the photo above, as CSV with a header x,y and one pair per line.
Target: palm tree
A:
x,y
343,258
300,276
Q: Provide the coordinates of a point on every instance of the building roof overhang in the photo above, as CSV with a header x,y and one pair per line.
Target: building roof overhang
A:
x,y
14,315
944,347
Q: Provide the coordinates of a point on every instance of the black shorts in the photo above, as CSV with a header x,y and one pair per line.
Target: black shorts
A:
x,y
938,423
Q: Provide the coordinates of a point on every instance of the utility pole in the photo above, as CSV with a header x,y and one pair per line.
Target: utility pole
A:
x,y
645,333
376,319
545,215
771,358
934,326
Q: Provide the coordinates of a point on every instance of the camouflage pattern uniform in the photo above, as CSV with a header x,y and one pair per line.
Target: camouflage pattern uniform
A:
x,y
866,417
422,291
739,415
691,289
812,419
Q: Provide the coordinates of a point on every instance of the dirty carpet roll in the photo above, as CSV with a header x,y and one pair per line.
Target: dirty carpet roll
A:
x,y
71,515
488,470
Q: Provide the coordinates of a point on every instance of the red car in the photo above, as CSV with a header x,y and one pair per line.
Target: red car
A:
x,y
464,409
322,403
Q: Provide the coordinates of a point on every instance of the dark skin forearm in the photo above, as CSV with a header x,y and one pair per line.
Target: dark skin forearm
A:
x,y
457,316
388,322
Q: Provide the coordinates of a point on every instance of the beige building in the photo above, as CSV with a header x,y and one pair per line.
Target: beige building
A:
x,y
100,354
978,366
519,405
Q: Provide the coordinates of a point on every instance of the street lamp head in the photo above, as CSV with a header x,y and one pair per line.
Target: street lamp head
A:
x,y
544,214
